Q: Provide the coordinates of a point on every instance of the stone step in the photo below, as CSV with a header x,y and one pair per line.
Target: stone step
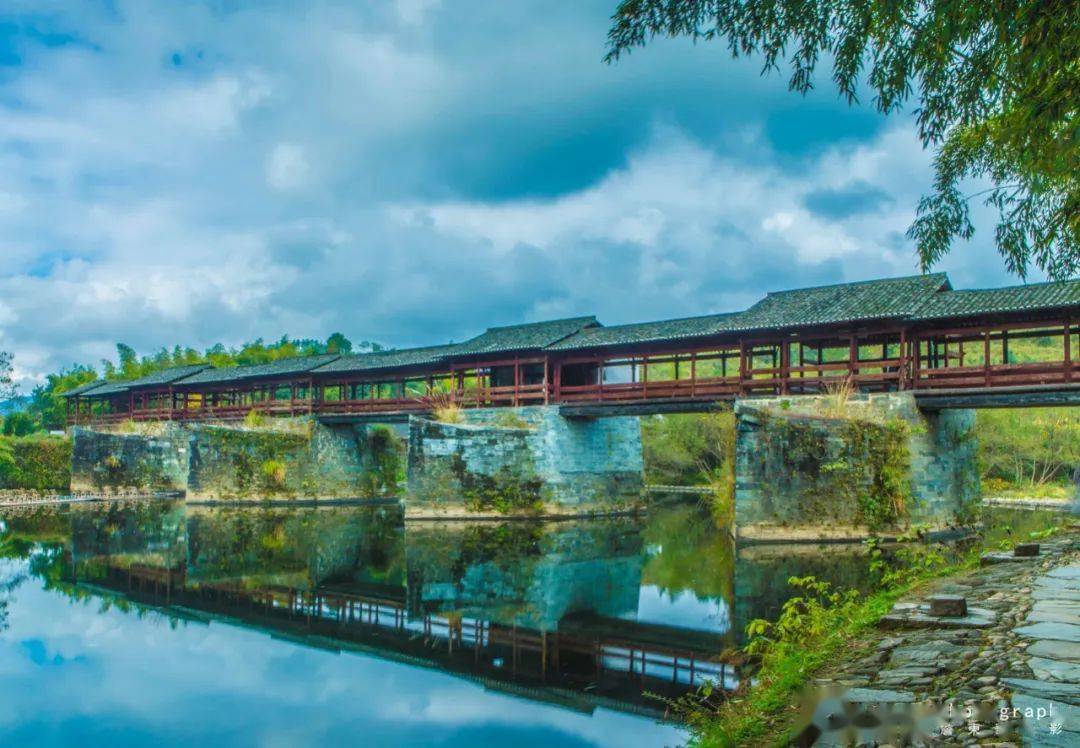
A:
x,y
1055,670
1054,614
1056,650
1055,592
1068,693
1066,572
1065,632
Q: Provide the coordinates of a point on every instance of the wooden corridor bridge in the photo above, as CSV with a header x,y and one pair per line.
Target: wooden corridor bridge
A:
x,y
951,347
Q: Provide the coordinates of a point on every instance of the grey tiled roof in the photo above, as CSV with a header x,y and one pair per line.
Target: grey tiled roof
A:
x,y
1012,299
646,332
157,379
394,359
280,368
530,336
82,389
844,302
913,298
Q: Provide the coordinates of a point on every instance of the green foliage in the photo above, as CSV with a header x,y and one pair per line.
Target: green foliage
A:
x,y
819,625
47,405
997,84
255,352
687,449
254,419
19,424
384,461
35,462
1032,452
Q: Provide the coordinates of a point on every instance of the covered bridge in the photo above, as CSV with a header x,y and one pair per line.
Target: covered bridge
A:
x,y
910,333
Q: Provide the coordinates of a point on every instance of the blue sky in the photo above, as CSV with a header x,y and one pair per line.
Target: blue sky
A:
x,y
412,171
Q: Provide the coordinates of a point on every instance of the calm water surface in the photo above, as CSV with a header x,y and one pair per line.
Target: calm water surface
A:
x,y
155,623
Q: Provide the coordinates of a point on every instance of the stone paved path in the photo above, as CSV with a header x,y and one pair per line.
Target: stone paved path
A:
x,y
1018,649
1051,632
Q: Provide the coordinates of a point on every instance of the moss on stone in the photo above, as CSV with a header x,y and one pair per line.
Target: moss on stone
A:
x,y
850,470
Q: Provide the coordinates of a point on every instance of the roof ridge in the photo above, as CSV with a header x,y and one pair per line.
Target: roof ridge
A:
x,y
542,322
663,321
943,275
1015,287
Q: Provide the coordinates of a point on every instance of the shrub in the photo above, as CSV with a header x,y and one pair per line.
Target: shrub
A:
x,y
36,462
19,424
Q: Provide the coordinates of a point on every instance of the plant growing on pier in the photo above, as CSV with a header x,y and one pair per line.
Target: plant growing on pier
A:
x,y
443,405
508,419
273,474
838,394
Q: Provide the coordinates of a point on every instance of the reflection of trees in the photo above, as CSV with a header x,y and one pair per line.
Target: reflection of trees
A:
x,y
687,552
311,546
13,572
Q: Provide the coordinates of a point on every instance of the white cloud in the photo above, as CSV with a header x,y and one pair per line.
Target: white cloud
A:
x,y
287,167
193,173
674,193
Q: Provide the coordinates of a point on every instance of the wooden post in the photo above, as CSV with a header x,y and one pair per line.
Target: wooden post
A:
x,y
693,374
547,367
742,365
1068,351
986,357
517,380
853,356
902,373
785,366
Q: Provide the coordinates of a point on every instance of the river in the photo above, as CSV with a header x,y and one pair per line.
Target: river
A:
x,y
155,622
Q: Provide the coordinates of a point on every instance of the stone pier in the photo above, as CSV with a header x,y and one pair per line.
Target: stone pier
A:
x,y
292,458
504,461
812,467
522,460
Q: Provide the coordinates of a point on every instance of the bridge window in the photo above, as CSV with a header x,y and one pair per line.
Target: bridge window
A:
x,y
579,375
532,374
620,372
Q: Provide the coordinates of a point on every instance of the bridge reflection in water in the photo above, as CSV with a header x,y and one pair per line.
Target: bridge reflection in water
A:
x,y
551,611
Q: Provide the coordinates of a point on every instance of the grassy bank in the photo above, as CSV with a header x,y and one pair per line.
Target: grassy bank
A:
x,y
819,626
1029,453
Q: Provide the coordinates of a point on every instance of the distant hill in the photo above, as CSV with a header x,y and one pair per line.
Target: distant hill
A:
x,y
14,405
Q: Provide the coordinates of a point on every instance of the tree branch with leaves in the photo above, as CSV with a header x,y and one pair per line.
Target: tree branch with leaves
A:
x,y
996,85
7,384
